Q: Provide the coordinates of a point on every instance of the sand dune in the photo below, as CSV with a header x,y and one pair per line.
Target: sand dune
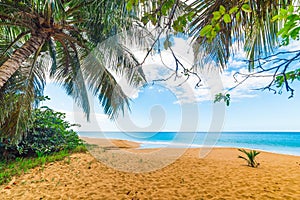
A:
x,y
220,175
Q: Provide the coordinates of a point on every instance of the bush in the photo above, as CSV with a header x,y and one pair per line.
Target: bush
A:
x,y
250,157
47,132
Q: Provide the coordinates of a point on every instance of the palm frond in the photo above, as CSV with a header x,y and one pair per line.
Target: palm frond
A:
x,y
119,58
113,56
103,84
67,72
17,98
243,158
253,30
11,39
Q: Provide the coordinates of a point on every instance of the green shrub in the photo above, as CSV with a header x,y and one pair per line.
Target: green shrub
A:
x,y
47,132
251,156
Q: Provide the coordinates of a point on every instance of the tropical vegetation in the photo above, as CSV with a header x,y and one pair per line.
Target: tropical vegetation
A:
x,y
47,132
250,157
48,138
60,38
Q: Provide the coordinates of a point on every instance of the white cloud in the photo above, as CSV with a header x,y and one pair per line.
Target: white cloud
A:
x,y
163,66
235,63
159,67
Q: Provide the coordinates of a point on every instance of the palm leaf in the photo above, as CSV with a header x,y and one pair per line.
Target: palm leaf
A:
x,y
67,72
251,155
103,84
243,158
255,30
17,97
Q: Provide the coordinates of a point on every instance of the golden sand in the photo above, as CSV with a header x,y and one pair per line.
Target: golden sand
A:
x,y
220,175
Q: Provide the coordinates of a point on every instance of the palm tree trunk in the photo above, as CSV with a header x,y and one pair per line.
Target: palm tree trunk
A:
x,y
10,66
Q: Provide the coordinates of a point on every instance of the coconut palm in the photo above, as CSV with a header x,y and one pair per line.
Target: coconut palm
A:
x,y
62,34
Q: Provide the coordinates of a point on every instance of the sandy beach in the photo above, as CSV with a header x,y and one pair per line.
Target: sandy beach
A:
x,y
220,175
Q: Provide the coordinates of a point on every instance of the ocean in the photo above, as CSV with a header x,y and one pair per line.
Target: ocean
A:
x,y
276,142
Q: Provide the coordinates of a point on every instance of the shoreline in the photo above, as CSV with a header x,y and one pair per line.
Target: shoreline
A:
x,y
138,145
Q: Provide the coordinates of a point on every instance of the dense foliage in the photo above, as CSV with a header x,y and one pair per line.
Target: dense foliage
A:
x,y
47,132
61,39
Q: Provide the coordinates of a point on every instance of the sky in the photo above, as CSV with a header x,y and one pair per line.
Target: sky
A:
x,y
176,105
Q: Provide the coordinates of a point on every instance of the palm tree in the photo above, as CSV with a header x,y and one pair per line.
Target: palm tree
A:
x,y
64,34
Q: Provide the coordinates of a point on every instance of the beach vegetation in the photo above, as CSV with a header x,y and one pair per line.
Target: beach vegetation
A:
x,y
63,37
47,132
62,40
250,157
48,138
59,37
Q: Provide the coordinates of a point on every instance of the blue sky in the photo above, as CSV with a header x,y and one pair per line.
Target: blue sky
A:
x,y
264,112
165,106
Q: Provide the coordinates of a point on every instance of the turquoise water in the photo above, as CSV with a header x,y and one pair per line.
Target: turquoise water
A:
x,y
277,142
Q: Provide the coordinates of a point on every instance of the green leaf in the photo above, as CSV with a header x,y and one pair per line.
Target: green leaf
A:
x,y
216,15
153,19
283,30
129,6
164,9
246,8
283,12
275,18
190,16
238,16
233,10
222,9
205,30
179,24
295,33
293,17
183,21
291,9
217,27
227,18
145,19
213,33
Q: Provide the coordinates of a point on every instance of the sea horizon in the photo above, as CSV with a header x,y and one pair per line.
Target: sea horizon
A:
x,y
287,142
